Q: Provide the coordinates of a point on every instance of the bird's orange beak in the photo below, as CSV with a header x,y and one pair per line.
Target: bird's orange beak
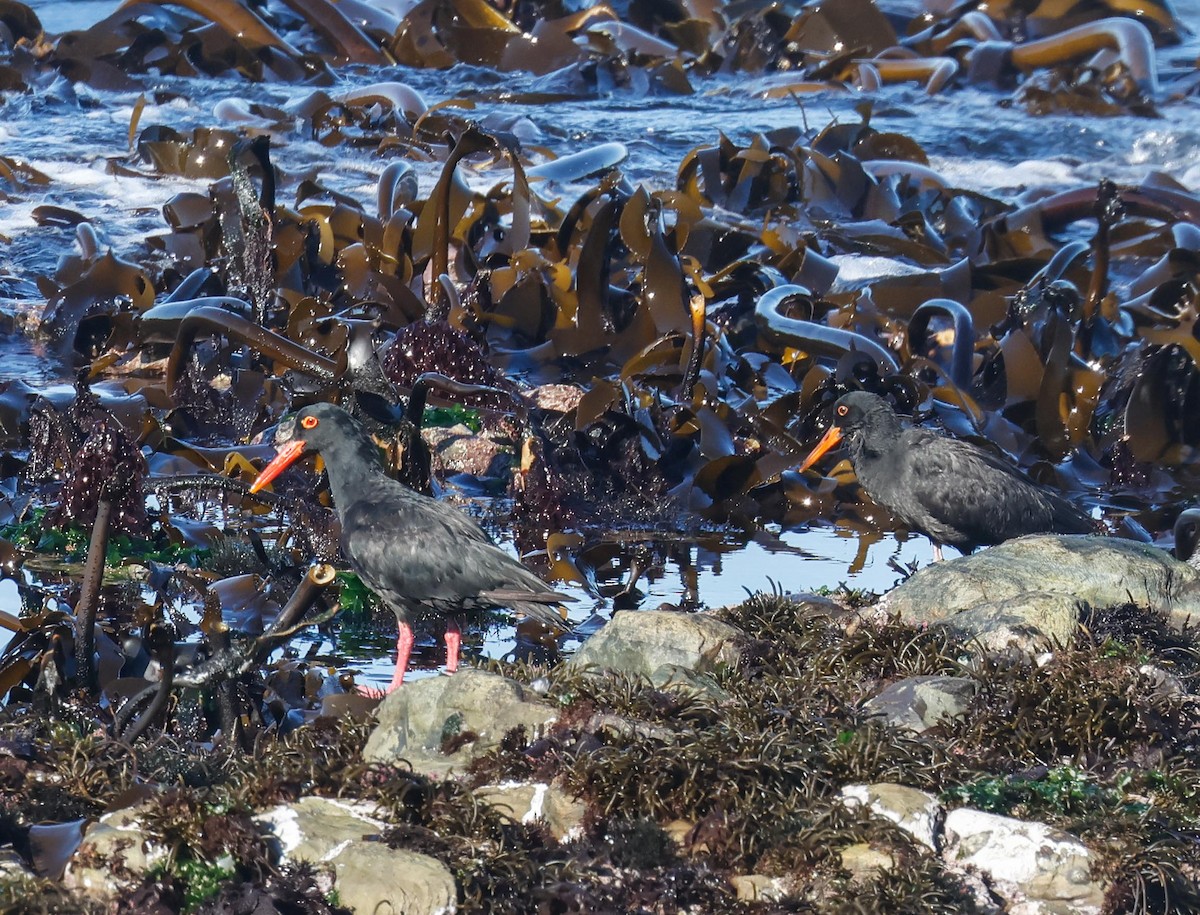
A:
x,y
828,441
283,458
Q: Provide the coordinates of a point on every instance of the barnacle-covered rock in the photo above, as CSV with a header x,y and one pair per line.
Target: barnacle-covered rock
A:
x,y
116,853
563,814
1033,866
916,812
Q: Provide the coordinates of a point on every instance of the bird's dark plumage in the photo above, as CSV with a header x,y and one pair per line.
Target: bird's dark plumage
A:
x,y
419,555
952,491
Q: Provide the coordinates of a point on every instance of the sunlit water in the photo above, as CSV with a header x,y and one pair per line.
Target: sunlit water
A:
x,y
972,140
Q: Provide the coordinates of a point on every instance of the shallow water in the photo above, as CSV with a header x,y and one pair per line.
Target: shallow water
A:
x,y
70,133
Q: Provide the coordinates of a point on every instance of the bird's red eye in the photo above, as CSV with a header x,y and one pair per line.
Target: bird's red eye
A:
x,y
309,422
841,411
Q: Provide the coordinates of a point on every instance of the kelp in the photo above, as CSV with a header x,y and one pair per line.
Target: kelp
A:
x,y
1102,52
702,325
650,361
704,385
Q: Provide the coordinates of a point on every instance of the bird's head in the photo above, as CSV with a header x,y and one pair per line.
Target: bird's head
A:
x,y
852,414
321,427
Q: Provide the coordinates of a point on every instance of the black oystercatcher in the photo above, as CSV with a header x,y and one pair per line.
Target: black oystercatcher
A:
x,y
951,491
419,555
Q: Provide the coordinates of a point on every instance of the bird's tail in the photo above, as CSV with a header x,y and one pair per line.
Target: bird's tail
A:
x,y
543,606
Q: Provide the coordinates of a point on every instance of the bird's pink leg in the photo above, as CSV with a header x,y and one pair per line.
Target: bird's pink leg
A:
x,y
453,644
404,646
937,552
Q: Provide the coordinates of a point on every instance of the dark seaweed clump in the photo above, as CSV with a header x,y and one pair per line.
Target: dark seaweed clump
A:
x,y
686,788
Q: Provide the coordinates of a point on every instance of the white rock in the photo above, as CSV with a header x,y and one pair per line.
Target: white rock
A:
x,y
1037,869
115,855
369,877
916,812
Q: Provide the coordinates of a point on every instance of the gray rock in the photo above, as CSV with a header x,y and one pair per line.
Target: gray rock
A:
x,y
691,683
1036,869
1008,587
918,703
115,855
916,812
527,802
1029,622
368,877
414,719
642,641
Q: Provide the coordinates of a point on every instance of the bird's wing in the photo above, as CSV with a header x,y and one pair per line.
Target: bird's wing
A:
x,y
419,554
958,491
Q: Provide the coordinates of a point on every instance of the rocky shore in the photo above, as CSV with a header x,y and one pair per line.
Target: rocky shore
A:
x,y
1013,732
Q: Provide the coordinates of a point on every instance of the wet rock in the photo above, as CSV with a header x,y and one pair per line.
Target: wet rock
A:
x,y
368,876
1161,683
758,888
414,720
115,855
561,398
643,641
12,868
459,450
528,802
629,728
918,703
916,812
817,604
1033,867
1037,585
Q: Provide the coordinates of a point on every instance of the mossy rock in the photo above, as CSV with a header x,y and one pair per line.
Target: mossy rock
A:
x,y
419,717
1022,582
642,642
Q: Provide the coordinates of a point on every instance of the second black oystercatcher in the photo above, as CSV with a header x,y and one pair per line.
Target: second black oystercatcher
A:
x,y
951,491
420,556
